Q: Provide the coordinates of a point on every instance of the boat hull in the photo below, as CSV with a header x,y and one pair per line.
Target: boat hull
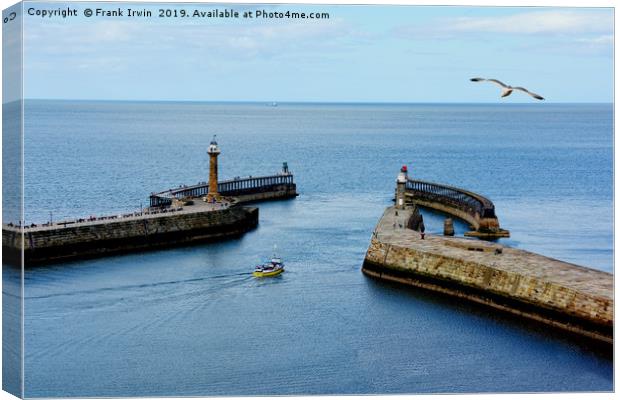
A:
x,y
266,274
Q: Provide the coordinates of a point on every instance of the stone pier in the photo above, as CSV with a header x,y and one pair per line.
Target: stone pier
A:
x,y
560,294
112,235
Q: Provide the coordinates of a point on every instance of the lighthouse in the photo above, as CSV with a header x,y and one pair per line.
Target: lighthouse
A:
x,y
213,152
401,182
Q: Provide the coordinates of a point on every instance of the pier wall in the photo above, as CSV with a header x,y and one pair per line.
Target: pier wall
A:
x,y
564,295
275,192
93,239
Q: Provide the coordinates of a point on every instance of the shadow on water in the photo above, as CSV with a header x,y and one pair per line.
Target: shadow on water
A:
x,y
491,315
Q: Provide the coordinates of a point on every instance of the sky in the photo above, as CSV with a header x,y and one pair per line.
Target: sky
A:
x,y
371,53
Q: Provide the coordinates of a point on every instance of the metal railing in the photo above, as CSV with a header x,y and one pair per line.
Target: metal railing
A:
x,y
463,200
91,219
232,187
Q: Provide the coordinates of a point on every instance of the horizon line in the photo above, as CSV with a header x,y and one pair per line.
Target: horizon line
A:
x,y
276,102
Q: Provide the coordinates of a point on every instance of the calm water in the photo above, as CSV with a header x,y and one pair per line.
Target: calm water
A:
x,y
193,321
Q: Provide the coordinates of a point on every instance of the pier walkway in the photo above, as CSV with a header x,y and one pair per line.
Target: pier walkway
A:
x,y
146,214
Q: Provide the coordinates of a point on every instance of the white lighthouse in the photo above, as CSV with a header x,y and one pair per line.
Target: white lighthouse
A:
x,y
401,181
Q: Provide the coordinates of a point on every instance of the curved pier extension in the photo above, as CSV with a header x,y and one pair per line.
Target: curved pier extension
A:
x,y
560,294
281,186
471,207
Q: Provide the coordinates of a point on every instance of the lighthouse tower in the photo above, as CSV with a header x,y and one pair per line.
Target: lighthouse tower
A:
x,y
401,181
213,152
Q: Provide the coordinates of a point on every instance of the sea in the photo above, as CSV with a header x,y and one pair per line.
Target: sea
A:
x,y
192,321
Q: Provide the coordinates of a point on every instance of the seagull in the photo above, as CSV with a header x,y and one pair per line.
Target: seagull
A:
x,y
507,89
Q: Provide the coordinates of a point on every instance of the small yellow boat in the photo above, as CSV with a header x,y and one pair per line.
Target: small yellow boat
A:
x,y
272,268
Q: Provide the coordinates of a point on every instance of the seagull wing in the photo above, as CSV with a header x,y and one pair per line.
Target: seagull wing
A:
x,y
502,84
534,95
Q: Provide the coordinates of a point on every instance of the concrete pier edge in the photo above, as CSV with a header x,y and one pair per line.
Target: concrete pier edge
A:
x,y
487,299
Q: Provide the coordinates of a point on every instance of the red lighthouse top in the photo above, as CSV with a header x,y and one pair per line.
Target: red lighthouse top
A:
x,y
403,169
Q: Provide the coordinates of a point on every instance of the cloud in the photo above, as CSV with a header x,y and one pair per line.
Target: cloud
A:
x,y
554,22
599,40
546,22
129,44
581,32
583,46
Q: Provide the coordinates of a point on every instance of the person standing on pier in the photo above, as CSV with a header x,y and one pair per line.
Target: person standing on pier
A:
x,y
422,227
